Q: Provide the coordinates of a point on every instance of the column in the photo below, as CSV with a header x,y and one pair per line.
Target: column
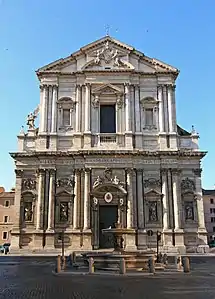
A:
x,y
51,200
140,198
165,199
175,191
87,108
200,207
39,198
118,114
137,108
77,112
174,121
130,210
161,111
86,198
54,106
44,108
76,198
169,100
127,109
17,199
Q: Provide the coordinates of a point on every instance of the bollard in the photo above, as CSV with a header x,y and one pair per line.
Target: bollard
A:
x,y
70,259
122,267
73,257
63,259
179,263
186,264
151,265
91,266
58,268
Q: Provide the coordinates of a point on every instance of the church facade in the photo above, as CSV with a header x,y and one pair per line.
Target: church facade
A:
x,y
108,149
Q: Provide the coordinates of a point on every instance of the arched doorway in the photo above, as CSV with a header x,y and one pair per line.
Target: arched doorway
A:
x,y
108,205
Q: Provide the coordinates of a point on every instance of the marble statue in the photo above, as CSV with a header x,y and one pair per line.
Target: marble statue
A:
x,y
30,121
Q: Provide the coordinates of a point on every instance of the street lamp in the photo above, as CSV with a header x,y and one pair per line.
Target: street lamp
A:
x,y
158,240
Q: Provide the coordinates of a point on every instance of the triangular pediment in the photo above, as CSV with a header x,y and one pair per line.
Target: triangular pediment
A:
x,y
106,54
107,89
153,192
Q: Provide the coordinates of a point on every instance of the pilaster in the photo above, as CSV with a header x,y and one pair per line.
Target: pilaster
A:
x,y
199,198
86,198
76,199
41,173
128,132
51,200
165,200
78,134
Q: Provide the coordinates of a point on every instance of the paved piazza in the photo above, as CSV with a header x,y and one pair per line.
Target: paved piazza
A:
x,y
32,278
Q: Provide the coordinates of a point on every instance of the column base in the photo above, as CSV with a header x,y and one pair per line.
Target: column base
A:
x,y
173,140
128,140
130,242
77,140
87,140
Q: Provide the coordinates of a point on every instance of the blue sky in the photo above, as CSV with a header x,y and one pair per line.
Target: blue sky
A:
x,y
36,32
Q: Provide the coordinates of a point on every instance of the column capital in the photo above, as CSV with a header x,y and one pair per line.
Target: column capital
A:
x,y
197,172
176,171
52,171
19,173
87,170
164,171
160,86
139,170
40,171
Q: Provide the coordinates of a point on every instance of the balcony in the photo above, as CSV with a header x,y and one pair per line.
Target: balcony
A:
x,y
106,138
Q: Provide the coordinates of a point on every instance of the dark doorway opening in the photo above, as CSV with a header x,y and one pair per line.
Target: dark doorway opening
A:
x,y
107,119
108,216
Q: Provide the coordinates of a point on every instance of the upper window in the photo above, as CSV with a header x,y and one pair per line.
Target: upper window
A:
x,y
66,117
211,200
107,119
4,235
7,203
149,116
6,218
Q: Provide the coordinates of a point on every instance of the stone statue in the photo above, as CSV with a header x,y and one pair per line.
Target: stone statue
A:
x,y
30,121
63,212
97,59
189,212
28,213
153,212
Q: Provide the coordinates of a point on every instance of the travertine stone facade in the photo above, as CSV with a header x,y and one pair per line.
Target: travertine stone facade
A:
x,y
69,171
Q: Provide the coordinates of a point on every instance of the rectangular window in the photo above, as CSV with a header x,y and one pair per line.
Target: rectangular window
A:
x,y
214,229
212,219
149,116
4,236
7,203
211,210
212,200
66,117
6,218
107,119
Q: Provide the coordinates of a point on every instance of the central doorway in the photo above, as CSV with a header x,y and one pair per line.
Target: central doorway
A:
x,y
108,216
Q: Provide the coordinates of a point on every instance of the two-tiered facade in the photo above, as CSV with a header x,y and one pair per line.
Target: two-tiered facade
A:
x,y
108,149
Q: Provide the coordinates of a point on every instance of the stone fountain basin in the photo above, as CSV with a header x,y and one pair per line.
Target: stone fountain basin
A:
x,y
111,260
118,231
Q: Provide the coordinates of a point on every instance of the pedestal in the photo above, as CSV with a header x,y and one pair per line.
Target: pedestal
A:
x,y
128,140
130,242
87,140
77,140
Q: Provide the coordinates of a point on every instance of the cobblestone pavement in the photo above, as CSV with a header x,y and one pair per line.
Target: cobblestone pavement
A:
x,y
32,278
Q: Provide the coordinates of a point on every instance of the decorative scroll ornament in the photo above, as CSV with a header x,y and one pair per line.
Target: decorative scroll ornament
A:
x,y
107,178
108,197
95,102
29,184
188,184
119,102
66,182
108,54
152,183
95,201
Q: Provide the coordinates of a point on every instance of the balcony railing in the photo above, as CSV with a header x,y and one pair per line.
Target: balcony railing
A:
x,y
105,138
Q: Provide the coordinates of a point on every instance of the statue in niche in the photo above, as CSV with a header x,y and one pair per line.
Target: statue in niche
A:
x,y
28,211
30,121
63,212
189,214
153,211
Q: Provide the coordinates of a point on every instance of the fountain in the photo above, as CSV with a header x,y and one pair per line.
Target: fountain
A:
x,y
135,260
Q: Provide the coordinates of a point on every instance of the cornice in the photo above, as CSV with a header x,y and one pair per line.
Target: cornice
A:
x,y
85,153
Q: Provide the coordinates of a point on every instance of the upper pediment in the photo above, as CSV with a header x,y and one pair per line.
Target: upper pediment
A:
x,y
107,54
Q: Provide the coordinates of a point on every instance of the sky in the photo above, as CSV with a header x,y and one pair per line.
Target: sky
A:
x,y
34,33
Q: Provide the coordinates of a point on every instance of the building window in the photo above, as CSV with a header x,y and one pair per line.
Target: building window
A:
x,y
66,117
212,219
7,203
6,218
212,200
214,229
149,116
4,235
107,119
211,210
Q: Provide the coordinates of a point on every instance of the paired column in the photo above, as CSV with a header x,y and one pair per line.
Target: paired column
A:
x,y
130,205
137,109
86,198
169,100
51,200
127,109
175,189
76,198
17,199
161,110
54,110
87,108
39,197
78,109
165,199
140,198
44,107
200,207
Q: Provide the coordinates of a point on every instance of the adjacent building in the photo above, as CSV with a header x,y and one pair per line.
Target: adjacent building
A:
x,y
6,215
209,211
108,148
